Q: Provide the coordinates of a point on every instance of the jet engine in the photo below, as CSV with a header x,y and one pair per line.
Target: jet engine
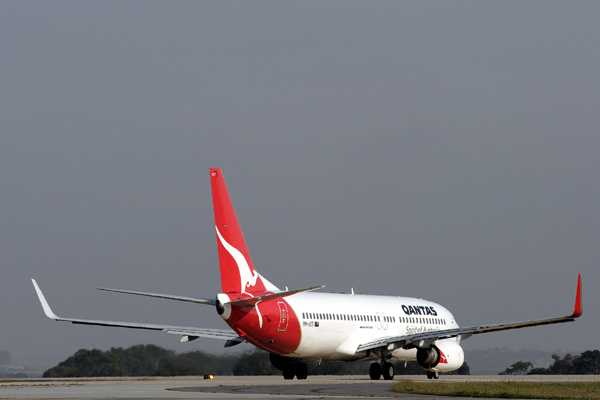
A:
x,y
444,355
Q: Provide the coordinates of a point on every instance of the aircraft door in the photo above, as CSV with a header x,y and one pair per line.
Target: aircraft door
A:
x,y
283,316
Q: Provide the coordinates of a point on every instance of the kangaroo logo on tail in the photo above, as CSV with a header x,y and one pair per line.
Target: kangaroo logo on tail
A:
x,y
247,278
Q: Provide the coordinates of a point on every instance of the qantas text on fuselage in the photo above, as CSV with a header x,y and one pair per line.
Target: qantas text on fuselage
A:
x,y
300,327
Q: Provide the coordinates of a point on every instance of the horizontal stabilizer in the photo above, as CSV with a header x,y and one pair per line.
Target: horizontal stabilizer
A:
x,y
197,300
253,300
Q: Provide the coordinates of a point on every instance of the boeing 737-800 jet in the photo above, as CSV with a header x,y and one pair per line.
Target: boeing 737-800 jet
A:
x,y
299,326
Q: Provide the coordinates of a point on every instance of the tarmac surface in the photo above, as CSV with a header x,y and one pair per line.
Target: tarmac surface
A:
x,y
229,387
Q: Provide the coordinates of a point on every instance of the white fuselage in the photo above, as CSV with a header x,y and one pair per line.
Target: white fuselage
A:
x,y
333,325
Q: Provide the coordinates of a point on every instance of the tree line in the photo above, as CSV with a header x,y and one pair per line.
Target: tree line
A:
x,y
152,360
586,363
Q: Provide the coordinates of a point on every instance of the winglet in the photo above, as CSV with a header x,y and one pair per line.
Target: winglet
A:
x,y
45,305
578,306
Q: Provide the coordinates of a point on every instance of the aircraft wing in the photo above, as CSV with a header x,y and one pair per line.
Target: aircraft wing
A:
x,y
198,300
188,333
425,339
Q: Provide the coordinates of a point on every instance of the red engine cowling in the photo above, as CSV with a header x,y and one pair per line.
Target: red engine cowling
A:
x,y
444,355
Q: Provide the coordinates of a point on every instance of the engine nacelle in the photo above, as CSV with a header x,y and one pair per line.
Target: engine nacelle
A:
x,y
444,355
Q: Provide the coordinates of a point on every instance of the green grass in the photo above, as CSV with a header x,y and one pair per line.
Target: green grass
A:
x,y
505,390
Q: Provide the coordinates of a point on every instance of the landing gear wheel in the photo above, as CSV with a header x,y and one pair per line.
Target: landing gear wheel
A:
x,y
433,375
301,371
289,372
375,371
388,371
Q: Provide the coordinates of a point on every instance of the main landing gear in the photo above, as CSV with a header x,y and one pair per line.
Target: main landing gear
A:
x,y
299,370
433,375
291,367
386,368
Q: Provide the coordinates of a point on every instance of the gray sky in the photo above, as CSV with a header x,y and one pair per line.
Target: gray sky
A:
x,y
444,150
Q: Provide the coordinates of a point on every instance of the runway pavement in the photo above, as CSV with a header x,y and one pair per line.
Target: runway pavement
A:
x,y
228,387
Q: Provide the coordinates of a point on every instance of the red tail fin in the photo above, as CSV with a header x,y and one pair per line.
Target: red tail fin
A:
x,y
237,271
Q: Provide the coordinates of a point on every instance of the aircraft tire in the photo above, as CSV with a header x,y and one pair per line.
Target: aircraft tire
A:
x,y
388,371
429,375
375,371
436,375
301,371
289,372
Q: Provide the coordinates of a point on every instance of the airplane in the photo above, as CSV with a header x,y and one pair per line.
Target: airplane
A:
x,y
301,327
